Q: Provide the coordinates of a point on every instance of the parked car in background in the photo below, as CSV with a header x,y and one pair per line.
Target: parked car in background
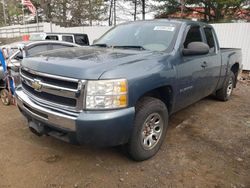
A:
x,y
19,50
77,38
122,89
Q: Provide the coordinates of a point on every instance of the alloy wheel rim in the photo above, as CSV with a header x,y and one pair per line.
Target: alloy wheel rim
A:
x,y
230,87
151,131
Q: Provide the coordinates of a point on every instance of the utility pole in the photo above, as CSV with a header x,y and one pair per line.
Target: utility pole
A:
x,y
4,13
115,12
110,12
90,13
135,13
37,22
143,9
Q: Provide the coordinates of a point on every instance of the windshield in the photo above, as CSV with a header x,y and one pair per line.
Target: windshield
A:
x,y
154,36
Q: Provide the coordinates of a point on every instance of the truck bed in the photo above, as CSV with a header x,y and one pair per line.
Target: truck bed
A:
x,y
229,49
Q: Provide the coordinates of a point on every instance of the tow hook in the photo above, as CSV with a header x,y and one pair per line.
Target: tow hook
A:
x,y
37,129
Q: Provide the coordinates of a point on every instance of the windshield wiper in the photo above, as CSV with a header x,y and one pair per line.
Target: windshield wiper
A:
x,y
124,47
130,47
101,45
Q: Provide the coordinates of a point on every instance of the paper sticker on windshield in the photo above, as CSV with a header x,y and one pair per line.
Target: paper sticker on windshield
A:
x,y
164,28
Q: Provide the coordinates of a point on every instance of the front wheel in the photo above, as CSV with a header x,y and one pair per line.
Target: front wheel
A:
x,y
150,127
226,91
5,97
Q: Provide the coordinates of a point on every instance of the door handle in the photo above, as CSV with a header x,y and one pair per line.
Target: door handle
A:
x,y
204,64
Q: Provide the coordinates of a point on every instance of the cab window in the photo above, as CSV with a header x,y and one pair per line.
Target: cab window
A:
x,y
81,40
210,39
67,39
51,37
193,35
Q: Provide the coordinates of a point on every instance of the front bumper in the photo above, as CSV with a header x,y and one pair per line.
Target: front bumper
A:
x,y
100,128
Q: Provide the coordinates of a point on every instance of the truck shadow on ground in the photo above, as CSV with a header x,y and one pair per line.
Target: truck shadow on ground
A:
x,y
118,152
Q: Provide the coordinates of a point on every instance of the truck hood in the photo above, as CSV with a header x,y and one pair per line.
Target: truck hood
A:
x,y
84,62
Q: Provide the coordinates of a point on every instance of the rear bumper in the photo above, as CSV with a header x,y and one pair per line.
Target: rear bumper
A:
x,y
100,128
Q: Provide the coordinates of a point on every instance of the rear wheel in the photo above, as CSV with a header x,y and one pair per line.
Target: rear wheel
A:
x,y
5,97
150,126
226,91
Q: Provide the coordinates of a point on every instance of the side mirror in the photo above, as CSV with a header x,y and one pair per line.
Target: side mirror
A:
x,y
196,48
94,41
19,56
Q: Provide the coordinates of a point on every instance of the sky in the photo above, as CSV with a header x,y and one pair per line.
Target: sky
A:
x,y
125,11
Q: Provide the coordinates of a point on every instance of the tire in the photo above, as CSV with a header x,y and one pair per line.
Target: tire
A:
x,y
146,141
5,97
225,93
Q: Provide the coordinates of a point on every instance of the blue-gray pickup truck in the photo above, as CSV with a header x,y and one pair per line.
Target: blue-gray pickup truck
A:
x,y
123,88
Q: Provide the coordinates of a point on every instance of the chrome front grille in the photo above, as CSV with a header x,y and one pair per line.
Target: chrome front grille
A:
x,y
55,91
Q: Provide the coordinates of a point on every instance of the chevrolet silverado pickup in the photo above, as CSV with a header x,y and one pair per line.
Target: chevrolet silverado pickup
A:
x,y
123,88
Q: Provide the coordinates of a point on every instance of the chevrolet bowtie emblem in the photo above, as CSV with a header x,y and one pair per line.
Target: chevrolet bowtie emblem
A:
x,y
36,84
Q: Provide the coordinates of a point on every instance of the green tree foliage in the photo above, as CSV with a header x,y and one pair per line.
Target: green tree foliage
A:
x,y
62,12
13,12
91,11
214,10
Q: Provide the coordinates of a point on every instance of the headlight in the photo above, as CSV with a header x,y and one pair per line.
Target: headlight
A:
x,y
106,94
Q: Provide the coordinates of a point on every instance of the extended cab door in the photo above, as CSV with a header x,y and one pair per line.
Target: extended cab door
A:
x,y
190,70
212,61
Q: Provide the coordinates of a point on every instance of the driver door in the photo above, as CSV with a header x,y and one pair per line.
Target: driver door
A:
x,y
190,71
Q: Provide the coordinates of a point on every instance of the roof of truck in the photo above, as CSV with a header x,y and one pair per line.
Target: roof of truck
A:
x,y
177,21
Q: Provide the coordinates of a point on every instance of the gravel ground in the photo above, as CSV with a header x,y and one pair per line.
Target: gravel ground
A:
x,y
207,145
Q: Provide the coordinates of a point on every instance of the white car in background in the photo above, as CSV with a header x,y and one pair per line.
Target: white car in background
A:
x,y
19,50
77,38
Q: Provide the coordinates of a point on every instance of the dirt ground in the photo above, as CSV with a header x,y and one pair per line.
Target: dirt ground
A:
x,y
207,145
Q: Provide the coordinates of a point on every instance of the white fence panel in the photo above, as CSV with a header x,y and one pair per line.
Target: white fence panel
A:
x,y
19,30
235,35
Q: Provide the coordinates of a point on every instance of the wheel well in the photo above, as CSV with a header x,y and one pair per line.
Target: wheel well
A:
x,y
235,69
165,94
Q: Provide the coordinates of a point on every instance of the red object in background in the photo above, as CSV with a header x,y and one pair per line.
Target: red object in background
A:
x,y
30,6
25,37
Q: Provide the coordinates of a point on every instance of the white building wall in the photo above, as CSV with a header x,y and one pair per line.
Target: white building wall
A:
x,y
235,35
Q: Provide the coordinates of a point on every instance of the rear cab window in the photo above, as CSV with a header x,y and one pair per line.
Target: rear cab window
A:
x,y
210,39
